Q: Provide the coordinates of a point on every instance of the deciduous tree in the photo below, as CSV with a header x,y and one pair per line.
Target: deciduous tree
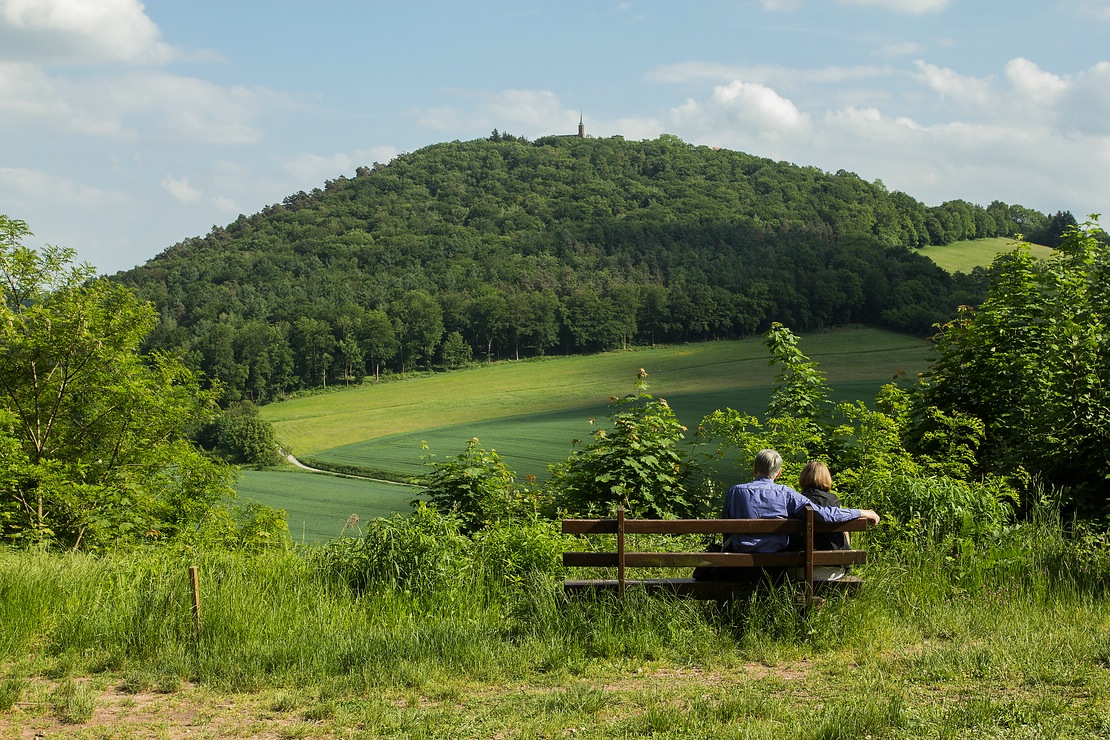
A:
x,y
1033,363
93,434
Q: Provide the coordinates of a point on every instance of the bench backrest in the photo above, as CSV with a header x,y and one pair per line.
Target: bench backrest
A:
x,y
806,558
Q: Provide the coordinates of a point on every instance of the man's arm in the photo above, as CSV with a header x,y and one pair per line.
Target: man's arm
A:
x,y
869,515
830,513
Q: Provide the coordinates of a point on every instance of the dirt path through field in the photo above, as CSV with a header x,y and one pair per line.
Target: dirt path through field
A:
x,y
297,463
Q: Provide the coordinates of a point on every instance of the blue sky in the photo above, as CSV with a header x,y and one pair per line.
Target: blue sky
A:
x,y
126,127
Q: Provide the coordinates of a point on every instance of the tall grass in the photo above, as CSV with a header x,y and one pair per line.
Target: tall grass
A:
x,y
1010,637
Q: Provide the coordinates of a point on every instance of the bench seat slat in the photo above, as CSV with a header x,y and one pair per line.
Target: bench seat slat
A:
x,y
707,526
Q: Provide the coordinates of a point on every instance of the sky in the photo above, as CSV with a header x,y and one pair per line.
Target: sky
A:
x,y
127,127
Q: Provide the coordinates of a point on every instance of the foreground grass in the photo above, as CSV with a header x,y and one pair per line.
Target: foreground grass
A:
x,y
797,699
1011,641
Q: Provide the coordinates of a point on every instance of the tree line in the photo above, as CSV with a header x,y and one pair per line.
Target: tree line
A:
x,y
507,248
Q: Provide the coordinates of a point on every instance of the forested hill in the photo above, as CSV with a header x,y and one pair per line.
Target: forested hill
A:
x,y
505,247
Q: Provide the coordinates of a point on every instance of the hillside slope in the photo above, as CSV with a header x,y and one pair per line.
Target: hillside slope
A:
x,y
508,248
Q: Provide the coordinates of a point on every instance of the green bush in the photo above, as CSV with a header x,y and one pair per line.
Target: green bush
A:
x,y
639,462
524,552
477,487
241,436
1032,362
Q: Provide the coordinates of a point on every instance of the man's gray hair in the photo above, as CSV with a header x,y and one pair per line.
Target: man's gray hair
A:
x,y
768,464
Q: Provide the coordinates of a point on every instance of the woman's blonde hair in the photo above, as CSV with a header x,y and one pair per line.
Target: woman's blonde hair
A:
x,y
815,475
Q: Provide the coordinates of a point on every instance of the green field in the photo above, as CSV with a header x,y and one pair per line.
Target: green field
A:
x,y
530,412
312,425
530,443
317,506
966,255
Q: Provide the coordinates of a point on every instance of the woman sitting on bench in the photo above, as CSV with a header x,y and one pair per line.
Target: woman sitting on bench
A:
x,y
816,484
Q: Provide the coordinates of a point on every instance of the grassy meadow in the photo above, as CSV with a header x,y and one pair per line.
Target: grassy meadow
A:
x,y
1010,639
311,425
964,256
530,412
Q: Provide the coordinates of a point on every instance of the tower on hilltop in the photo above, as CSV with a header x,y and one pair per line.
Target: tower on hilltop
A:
x,y
581,128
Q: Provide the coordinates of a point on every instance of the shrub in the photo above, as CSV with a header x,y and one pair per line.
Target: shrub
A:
x,y
242,436
1033,363
520,552
638,463
477,487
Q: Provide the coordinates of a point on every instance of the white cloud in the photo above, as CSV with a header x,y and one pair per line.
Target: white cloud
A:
x,y
951,85
189,109
1086,106
912,7
530,113
440,118
27,93
312,170
140,105
755,104
181,189
768,74
53,31
1099,9
632,128
896,49
1015,136
37,36
743,115
528,108
780,6
315,168
1038,98
223,204
1040,87
22,185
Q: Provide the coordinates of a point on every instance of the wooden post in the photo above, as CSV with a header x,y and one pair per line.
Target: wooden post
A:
x,y
809,556
620,550
194,576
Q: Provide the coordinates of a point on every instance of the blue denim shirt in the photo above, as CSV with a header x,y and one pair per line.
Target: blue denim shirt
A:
x,y
765,499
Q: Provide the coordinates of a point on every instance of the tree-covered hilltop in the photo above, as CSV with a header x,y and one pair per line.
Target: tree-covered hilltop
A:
x,y
508,248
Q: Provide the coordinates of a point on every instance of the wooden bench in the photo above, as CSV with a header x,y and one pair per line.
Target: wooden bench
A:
x,y
806,559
